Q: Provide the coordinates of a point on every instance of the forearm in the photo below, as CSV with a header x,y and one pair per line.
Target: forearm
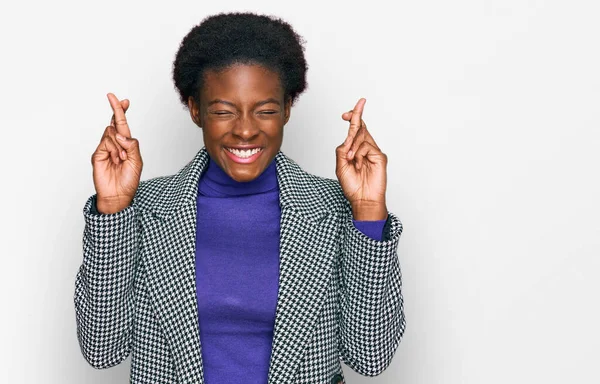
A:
x,y
372,316
103,286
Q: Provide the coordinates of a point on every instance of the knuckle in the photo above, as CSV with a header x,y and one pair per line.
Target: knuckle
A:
x,y
110,131
121,121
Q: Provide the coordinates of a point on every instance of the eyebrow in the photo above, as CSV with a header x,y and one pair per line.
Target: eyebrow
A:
x,y
260,103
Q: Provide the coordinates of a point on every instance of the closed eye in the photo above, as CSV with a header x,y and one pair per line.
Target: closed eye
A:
x,y
267,112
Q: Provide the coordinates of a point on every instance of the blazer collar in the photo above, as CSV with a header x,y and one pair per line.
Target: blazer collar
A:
x,y
294,189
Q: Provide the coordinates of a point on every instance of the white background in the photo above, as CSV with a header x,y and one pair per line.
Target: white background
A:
x,y
487,110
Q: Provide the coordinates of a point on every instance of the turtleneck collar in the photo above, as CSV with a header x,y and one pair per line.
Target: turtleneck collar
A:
x,y
214,182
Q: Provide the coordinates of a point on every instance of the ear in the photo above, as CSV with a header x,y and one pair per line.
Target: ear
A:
x,y
287,110
194,111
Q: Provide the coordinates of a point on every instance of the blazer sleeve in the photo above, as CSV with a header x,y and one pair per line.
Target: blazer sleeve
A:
x,y
103,297
372,313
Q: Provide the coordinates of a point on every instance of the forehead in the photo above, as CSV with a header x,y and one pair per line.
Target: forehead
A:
x,y
241,83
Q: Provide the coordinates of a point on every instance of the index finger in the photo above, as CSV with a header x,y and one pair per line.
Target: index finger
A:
x,y
355,121
125,106
120,120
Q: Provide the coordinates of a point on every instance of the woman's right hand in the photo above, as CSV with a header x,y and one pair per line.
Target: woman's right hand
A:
x,y
117,163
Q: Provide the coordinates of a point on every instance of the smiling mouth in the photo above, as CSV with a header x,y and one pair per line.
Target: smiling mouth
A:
x,y
244,153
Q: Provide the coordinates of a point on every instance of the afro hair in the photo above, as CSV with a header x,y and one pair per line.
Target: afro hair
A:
x,y
225,39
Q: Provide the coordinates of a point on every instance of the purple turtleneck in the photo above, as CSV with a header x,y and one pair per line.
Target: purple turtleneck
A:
x,y
237,272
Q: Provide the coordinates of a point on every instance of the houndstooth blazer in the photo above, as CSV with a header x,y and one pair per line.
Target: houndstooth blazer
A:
x,y
339,291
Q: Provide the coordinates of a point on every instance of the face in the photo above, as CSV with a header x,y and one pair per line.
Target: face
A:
x,y
242,114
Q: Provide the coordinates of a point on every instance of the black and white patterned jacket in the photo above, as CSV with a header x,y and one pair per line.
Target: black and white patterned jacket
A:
x,y
339,290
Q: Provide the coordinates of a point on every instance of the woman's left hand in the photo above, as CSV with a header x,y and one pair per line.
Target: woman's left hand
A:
x,y
361,169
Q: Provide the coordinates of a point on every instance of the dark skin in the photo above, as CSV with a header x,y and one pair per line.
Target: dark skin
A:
x,y
242,105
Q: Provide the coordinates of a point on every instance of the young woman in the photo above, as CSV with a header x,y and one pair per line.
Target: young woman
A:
x,y
241,267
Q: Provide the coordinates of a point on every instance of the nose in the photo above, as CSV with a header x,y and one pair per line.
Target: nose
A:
x,y
245,128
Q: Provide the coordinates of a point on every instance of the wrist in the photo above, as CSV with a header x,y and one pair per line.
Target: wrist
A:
x,y
107,210
369,211
112,206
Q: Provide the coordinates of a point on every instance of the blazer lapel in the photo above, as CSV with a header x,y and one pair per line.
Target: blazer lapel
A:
x,y
307,251
169,228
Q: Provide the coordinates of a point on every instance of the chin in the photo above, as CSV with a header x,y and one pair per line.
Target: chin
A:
x,y
243,177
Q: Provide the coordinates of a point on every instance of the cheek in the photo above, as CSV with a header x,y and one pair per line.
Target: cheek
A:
x,y
272,127
215,130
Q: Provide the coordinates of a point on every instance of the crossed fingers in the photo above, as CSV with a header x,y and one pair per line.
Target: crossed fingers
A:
x,y
118,126
118,119
357,132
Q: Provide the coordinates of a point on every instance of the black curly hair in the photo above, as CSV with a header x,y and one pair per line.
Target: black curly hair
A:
x,y
225,39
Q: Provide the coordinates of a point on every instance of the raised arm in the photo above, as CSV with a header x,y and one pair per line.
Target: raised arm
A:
x,y
372,312
104,298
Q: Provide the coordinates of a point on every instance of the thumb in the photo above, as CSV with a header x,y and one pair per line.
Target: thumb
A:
x,y
341,158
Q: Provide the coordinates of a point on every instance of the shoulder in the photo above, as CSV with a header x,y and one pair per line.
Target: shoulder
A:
x,y
327,190
164,194
150,191
309,193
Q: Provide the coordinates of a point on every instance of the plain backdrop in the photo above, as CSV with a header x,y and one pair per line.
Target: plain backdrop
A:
x,y
487,110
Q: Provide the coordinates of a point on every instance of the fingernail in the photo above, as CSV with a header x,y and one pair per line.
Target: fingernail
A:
x,y
350,153
120,137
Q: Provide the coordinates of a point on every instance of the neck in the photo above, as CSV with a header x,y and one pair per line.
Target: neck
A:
x,y
215,182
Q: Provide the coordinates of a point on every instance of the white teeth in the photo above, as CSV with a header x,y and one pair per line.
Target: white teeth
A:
x,y
244,153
